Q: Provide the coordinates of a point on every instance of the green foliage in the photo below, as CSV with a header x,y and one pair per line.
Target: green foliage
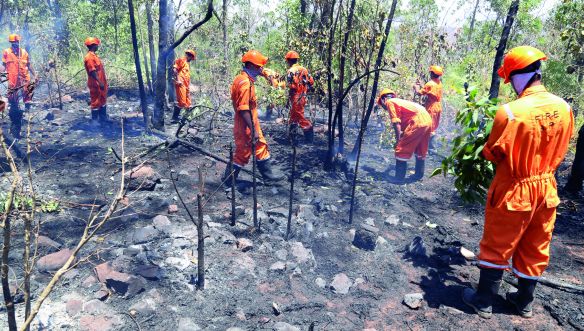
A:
x,y
51,206
473,173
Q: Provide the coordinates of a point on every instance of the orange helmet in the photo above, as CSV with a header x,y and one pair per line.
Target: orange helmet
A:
x,y
92,41
291,55
192,53
437,70
519,58
13,38
383,92
254,57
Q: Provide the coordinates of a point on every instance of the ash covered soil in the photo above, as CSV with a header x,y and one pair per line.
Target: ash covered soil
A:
x,y
141,269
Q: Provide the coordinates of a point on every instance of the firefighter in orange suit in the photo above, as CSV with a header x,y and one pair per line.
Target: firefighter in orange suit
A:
x,y
299,81
245,103
182,80
528,141
412,125
433,92
16,62
96,81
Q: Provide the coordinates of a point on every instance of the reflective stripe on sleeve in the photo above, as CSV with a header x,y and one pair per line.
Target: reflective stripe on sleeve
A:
x,y
509,112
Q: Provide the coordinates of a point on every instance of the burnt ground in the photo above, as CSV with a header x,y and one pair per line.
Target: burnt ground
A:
x,y
73,164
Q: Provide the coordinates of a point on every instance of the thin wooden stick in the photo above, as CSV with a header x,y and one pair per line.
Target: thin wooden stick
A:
x,y
289,226
232,184
200,246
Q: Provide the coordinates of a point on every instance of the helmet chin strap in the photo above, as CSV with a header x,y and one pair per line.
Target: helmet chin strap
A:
x,y
520,81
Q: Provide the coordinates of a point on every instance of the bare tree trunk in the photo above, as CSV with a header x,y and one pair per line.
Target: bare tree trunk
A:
x,y
225,46
378,63
150,25
472,24
495,81
143,102
171,55
329,69
163,52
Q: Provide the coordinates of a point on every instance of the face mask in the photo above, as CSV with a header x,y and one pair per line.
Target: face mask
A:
x,y
519,81
253,73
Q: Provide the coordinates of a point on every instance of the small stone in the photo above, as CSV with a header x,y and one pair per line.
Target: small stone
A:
x,y
145,234
352,234
282,254
74,307
94,307
413,300
381,241
172,209
392,220
150,272
124,284
276,309
160,221
48,243
244,244
366,237
99,323
341,284
101,295
320,282
125,201
468,255
359,281
302,254
282,326
278,266
89,281
141,172
369,221
187,324
177,262
102,271
54,261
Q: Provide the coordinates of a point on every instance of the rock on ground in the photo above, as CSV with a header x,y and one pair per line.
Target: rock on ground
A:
x,y
341,284
413,300
54,261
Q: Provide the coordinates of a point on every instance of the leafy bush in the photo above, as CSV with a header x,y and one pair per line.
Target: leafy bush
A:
x,y
473,173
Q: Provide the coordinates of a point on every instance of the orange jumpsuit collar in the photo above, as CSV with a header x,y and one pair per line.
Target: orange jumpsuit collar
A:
x,y
532,90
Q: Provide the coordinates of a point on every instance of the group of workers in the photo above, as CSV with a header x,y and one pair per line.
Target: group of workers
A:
x,y
529,139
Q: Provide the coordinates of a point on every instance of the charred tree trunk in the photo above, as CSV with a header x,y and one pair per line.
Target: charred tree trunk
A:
x,y
495,81
143,102
150,25
171,55
225,46
331,130
576,178
160,103
378,63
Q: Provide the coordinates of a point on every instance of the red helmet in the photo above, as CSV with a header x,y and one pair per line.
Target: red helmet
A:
x,y
191,53
13,38
291,55
519,58
254,57
92,41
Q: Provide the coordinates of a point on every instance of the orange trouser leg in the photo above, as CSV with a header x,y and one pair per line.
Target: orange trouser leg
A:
x,y
414,139
243,151
98,97
435,121
533,251
183,98
297,113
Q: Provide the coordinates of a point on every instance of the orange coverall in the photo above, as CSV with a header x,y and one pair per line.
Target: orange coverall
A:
x,y
18,75
183,97
298,81
416,124
433,92
244,98
529,139
98,96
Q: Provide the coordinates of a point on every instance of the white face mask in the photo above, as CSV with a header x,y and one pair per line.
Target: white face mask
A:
x,y
519,81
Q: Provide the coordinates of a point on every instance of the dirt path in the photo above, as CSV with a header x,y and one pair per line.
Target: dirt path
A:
x,y
275,281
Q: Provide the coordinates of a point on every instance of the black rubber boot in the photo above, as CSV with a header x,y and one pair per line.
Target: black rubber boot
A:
x,y
102,114
400,171
481,300
226,179
309,135
15,115
175,115
431,145
420,166
522,300
265,168
94,114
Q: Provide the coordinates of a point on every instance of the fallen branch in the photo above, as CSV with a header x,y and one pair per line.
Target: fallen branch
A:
x,y
554,283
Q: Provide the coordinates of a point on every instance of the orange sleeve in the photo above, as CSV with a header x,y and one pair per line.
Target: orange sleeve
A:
x,y
243,95
427,89
90,63
494,150
393,112
4,57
